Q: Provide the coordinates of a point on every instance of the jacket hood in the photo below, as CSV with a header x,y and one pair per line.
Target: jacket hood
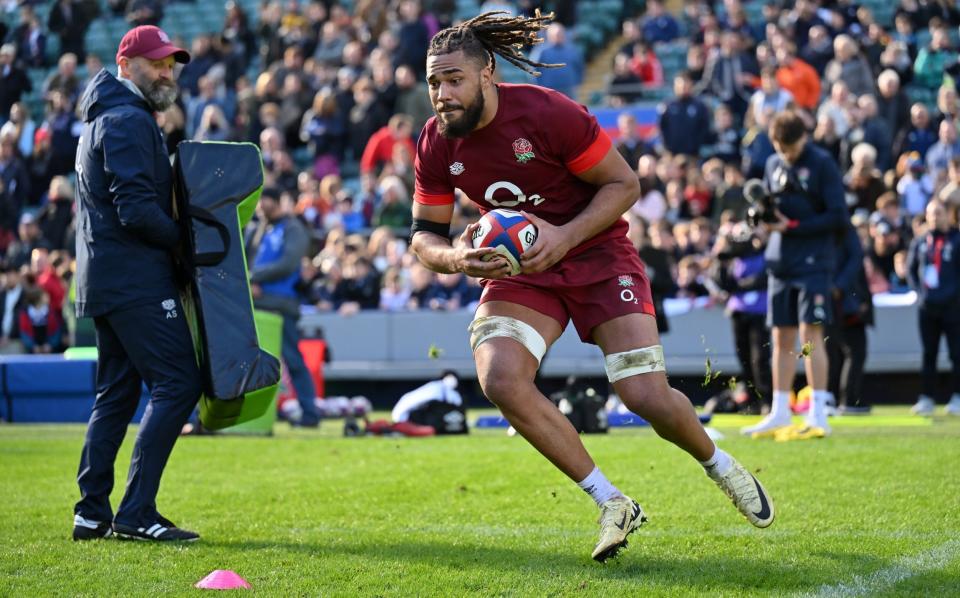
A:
x,y
104,92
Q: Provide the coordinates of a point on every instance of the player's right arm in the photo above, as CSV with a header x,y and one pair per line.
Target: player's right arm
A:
x,y
433,201
436,252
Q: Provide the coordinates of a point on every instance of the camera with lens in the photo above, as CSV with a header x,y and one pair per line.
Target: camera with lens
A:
x,y
764,201
762,206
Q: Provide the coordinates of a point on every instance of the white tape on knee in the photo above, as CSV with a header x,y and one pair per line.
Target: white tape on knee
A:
x,y
485,328
635,362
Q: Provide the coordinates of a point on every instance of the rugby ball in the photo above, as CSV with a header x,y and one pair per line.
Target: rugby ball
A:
x,y
508,232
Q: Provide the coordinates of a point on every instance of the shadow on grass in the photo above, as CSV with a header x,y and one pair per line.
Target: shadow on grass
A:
x,y
701,573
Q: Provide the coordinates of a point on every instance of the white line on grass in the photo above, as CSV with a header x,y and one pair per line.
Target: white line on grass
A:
x,y
884,579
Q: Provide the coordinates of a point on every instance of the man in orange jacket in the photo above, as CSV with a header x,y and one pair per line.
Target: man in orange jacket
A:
x,y
798,77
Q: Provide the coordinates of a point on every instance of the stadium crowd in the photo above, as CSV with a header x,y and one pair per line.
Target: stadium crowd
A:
x,y
335,98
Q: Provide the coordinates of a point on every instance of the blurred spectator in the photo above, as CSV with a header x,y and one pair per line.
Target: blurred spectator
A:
x,y
21,127
740,274
11,304
173,124
657,25
863,180
324,130
729,196
916,185
202,58
30,40
394,208
558,50
144,12
625,86
94,65
394,295
838,108
887,241
849,66
423,287
658,262
412,37
689,279
46,266
905,34
629,143
412,98
213,125
367,116
359,288
14,186
919,136
940,153
453,292
29,238
646,66
948,105
196,105
770,95
897,57
900,280
344,215
725,137
380,147
277,246
892,103
41,327
70,19
13,80
874,130
934,273
846,336
731,75
684,121
64,79
55,218
949,194
757,145
819,50
65,129
798,77
236,28
932,61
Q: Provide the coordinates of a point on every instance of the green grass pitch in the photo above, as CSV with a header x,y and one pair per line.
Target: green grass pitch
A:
x,y
871,511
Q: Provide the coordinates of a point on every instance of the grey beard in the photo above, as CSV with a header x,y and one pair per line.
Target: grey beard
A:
x,y
161,95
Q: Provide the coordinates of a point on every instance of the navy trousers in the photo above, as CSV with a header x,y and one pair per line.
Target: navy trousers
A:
x,y
148,343
299,374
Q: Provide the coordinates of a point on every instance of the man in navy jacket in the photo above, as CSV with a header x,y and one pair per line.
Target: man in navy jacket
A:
x,y
126,241
933,269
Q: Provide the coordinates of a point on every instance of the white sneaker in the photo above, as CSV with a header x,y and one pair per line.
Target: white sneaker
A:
x,y
924,406
619,517
767,427
953,407
747,494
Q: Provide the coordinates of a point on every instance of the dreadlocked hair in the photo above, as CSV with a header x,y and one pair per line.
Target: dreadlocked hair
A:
x,y
497,33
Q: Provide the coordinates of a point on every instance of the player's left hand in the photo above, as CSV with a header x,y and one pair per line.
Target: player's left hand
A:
x,y
780,225
549,248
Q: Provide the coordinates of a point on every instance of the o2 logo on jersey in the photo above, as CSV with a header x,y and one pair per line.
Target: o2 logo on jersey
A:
x,y
518,195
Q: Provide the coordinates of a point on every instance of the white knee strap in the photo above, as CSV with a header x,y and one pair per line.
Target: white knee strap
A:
x,y
632,363
485,328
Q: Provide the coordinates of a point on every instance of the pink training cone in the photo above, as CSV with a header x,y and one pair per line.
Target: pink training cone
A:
x,y
222,579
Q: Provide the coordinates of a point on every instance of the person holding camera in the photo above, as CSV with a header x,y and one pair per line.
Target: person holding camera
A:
x,y
801,204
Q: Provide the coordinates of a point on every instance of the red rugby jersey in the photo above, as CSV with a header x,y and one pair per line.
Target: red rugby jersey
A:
x,y
526,159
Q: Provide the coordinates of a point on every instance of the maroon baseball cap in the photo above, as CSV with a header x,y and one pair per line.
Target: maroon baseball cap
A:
x,y
151,43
